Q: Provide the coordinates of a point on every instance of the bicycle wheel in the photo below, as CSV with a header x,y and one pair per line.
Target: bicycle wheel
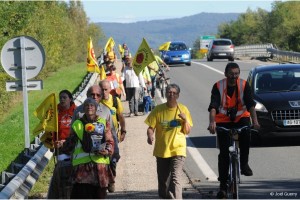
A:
x,y
235,179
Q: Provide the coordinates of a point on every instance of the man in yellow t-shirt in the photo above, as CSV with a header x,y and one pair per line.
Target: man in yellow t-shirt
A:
x,y
170,121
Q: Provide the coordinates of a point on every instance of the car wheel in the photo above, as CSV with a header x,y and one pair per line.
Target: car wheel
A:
x,y
256,140
231,59
209,59
188,64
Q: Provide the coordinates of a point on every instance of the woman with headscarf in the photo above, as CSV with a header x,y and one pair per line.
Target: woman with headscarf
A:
x,y
91,144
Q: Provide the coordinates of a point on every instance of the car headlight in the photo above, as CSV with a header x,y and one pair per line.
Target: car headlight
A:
x,y
185,56
166,56
260,107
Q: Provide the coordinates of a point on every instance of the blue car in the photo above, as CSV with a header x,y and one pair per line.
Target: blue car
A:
x,y
178,53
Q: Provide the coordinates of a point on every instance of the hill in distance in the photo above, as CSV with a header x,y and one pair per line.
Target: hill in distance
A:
x,y
156,32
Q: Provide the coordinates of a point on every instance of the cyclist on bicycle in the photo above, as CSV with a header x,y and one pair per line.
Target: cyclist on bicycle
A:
x,y
231,106
153,70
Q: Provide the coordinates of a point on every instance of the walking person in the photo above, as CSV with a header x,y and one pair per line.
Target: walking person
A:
x,y
115,81
91,143
171,122
231,106
153,70
60,185
134,83
118,126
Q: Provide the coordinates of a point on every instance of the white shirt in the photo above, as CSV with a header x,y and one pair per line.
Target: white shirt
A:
x,y
132,80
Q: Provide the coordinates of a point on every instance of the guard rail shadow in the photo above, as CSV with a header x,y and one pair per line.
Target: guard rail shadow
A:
x,y
23,172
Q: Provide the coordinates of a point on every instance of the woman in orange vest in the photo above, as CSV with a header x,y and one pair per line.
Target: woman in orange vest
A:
x,y
231,106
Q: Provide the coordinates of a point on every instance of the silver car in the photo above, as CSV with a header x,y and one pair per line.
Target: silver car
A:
x,y
220,49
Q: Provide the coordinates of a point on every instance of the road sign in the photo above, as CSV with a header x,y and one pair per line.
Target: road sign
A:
x,y
11,57
23,58
18,86
205,40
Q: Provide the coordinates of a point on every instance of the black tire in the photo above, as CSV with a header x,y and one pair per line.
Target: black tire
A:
x,y
256,140
235,177
231,59
188,64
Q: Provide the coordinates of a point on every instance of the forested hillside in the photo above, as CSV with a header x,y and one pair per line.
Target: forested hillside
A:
x,y
62,29
156,32
280,27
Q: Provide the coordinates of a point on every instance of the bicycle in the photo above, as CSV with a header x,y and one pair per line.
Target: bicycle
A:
x,y
162,81
234,159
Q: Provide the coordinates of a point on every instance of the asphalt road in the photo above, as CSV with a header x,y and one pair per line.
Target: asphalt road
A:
x,y
275,163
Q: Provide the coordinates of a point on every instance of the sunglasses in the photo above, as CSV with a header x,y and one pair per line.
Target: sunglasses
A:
x,y
94,94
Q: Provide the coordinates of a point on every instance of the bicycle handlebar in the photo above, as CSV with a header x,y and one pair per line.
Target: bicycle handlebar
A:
x,y
237,130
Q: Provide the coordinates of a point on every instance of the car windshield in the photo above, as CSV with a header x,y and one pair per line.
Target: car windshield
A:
x,y
222,42
277,81
177,47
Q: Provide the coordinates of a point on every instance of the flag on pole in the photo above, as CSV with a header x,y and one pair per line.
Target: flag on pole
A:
x,y
121,49
109,44
165,46
143,57
91,64
47,114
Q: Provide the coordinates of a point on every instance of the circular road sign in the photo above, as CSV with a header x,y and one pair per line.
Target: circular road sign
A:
x,y
23,51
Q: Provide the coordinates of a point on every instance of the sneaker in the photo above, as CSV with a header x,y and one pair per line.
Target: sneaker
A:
x,y
222,194
246,170
136,114
131,115
111,187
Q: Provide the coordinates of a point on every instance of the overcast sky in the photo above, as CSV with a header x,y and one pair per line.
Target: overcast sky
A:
x,y
140,10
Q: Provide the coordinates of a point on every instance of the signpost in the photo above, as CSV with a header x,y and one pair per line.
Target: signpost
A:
x,y
205,40
23,58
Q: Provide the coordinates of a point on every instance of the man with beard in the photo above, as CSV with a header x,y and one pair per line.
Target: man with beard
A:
x,y
231,106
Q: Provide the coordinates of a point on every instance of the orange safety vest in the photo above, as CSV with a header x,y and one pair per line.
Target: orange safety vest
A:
x,y
230,102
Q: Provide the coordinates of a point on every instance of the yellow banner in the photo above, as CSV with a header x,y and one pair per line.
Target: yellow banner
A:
x,y
109,45
92,65
164,46
121,49
47,114
143,57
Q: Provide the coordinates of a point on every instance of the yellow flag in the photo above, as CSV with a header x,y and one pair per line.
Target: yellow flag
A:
x,y
164,46
109,45
102,73
47,114
143,57
91,64
121,49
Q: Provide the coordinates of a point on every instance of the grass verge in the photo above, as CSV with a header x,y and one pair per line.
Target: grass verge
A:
x,y
12,139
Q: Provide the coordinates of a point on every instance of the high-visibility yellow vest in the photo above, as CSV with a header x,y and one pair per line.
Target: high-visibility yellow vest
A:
x,y
79,155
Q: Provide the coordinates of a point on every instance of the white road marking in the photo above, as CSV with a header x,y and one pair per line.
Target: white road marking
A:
x,y
201,163
209,67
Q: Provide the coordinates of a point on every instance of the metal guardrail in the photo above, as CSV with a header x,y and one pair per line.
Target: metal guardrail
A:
x,y
253,51
284,55
266,51
18,183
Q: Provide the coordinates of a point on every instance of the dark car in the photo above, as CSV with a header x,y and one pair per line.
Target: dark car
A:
x,y
178,53
276,90
220,49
